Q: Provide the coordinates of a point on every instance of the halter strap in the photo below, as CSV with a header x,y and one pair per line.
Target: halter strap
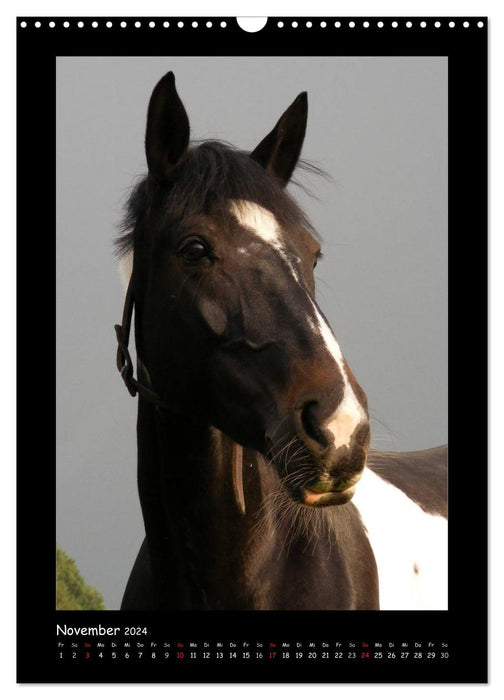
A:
x,y
124,363
125,367
237,472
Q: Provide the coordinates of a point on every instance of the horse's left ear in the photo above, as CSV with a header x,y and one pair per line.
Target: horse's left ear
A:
x,y
167,135
279,151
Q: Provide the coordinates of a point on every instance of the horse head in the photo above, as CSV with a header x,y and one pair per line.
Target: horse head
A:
x,y
228,329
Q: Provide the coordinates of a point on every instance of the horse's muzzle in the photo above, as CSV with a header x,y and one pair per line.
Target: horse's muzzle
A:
x,y
314,468
325,492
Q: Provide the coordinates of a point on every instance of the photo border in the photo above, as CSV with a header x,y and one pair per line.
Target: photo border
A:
x,y
466,619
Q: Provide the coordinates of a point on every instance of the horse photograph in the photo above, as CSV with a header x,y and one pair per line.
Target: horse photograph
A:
x,y
280,302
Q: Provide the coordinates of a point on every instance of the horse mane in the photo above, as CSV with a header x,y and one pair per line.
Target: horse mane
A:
x,y
212,173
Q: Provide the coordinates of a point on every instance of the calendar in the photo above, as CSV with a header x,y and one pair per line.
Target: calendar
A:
x,y
261,223
274,658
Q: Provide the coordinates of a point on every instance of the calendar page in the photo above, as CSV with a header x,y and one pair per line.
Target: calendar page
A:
x,y
252,349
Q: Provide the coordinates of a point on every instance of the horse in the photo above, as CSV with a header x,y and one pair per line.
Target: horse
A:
x,y
258,487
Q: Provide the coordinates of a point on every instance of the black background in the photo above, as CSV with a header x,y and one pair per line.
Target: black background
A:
x,y
464,625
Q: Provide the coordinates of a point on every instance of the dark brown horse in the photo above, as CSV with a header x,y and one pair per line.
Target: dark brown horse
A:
x,y
253,433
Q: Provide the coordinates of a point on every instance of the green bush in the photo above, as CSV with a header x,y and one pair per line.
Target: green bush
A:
x,y
72,593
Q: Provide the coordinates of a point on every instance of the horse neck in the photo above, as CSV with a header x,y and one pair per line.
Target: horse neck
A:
x,y
198,538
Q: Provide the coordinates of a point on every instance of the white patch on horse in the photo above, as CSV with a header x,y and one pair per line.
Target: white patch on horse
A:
x,y
257,219
125,269
410,546
350,413
263,224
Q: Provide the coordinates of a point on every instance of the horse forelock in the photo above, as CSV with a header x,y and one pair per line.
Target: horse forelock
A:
x,y
211,174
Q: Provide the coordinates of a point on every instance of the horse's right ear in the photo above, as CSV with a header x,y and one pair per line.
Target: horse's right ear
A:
x,y
167,135
279,151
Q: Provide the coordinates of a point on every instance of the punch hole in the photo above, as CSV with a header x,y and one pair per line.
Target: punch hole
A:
x,y
251,24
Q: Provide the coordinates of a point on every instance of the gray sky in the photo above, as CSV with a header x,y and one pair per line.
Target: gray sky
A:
x,y
378,126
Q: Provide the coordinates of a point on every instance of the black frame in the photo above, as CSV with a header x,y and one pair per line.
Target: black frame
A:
x,y
464,626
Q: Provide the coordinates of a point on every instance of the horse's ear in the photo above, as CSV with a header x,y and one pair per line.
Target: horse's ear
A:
x,y
167,135
279,151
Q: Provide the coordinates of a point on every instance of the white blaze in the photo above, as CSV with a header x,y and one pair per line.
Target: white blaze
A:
x,y
410,546
350,412
258,220
263,224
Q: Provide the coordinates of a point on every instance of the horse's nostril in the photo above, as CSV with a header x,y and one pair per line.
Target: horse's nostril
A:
x,y
311,424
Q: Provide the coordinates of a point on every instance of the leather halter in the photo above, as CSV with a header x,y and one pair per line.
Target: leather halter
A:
x,y
125,367
124,363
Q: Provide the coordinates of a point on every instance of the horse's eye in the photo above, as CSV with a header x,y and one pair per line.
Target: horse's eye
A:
x,y
193,251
